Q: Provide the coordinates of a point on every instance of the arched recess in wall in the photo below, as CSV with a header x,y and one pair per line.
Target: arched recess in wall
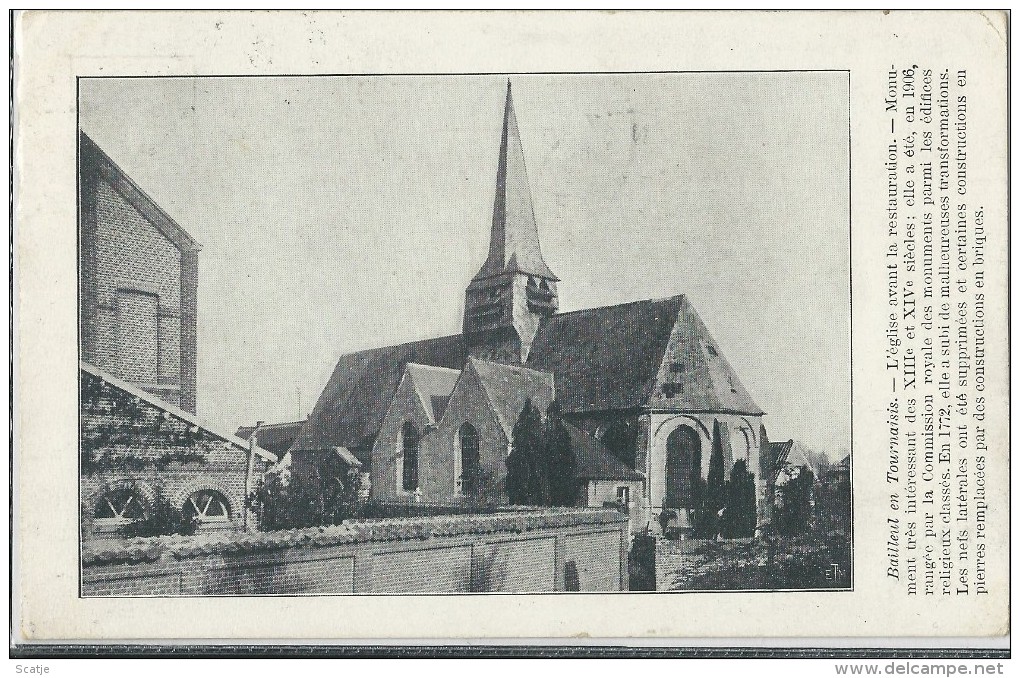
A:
x,y
753,429
206,507
121,502
467,450
687,419
740,445
683,467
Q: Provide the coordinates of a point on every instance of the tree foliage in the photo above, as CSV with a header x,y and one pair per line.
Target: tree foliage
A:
x,y
561,464
793,506
714,496
527,480
324,493
541,467
739,517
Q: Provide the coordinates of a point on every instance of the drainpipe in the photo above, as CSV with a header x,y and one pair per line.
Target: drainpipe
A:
x,y
252,444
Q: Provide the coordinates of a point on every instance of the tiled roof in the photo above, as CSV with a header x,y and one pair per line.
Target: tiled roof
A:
x,y
601,359
153,548
507,387
608,358
277,438
433,386
174,410
352,406
594,461
777,455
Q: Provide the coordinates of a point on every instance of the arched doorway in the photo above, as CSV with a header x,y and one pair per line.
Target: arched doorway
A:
x,y
683,468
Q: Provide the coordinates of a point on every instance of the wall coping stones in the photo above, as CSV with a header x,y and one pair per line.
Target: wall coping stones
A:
x,y
151,549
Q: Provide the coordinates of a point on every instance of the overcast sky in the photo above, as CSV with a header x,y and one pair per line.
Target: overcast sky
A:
x,y
341,213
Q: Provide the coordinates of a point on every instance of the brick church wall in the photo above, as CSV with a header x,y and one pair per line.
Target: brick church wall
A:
x,y
551,550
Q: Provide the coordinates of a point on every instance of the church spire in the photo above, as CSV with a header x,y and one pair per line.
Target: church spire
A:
x,y
513,245
514,290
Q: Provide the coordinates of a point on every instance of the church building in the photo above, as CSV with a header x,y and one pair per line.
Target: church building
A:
x,y
643,385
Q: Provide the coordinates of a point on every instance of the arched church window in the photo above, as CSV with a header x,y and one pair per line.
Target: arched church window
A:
x,y
120,506
683,468
410,441
469,459
207,506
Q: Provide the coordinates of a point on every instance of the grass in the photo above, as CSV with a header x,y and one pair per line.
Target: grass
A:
x,y
816,560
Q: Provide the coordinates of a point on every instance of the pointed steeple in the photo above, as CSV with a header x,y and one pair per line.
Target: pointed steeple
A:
x,y
514,291
513,246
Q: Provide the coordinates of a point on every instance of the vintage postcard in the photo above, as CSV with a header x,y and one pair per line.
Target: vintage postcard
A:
x,y
350,342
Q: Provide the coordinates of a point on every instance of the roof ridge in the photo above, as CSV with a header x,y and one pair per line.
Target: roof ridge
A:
x,y
406,343
431,367
183,415
625,303
512,367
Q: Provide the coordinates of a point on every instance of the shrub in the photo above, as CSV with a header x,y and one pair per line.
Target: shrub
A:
x,y
161,518
740,516
322,494
793,506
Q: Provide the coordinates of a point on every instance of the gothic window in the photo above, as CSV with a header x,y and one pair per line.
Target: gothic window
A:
x,y
469,459
120,506
544,285
207,506
683,468
410,441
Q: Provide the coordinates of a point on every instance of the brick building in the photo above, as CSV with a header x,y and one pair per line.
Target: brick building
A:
x,y
141,456
147,462
645,379
138,283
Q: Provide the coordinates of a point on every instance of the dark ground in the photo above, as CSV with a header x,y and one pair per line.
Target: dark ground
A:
x,y
812,561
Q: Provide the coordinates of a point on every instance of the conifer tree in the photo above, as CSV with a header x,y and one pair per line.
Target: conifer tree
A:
x,y
560,460
527,481
715,489
739,518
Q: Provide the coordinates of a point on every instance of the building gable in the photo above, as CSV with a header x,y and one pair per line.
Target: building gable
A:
x,y
386,457
694,375
506,387
351,407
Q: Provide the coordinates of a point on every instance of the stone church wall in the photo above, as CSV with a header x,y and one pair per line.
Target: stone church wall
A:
x,y
739,433
387,451
468,404
551,550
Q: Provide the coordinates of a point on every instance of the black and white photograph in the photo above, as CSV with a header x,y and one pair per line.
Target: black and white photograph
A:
x,y
437,334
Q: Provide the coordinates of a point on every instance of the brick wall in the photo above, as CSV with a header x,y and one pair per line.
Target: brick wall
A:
x,y
138,285
130,442
530,552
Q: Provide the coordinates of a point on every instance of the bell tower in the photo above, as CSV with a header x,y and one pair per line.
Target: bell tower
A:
x,y
514,289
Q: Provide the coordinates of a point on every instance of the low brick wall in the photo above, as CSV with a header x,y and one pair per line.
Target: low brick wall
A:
x,y
549,550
